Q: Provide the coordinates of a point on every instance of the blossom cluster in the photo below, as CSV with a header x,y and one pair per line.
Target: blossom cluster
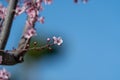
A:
x,y
29,33
3,11
32,8
56,40
4,75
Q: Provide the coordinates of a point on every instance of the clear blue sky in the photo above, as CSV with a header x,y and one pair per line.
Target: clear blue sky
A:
x,y
91,34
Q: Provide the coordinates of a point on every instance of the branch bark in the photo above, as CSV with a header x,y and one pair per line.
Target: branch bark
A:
x,y
9,59
7,23
16,56
23,42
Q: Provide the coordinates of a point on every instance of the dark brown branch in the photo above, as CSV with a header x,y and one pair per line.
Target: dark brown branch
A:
x,y
9,59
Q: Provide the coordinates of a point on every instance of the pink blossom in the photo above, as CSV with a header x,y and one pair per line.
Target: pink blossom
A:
x,y
48,1
27,3
19,10
38,3
29,33
32,20
28,24
31,12
41,19
58,40
4,75
48,39
3,11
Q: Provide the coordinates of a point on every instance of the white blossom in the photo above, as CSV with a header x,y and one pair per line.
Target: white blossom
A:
x,y
58,40
4,75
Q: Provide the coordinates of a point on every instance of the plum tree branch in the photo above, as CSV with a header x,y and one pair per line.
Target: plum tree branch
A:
x,y
11,57
24,41
7,23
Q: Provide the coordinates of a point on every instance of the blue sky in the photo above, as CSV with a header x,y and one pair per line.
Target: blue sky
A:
x,y
91,35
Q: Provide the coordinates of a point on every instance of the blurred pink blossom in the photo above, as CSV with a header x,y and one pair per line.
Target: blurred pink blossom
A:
x,y
58,40
41,19
29,33
4,75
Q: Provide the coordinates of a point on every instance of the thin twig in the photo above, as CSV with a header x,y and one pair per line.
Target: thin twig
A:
x,y
28,49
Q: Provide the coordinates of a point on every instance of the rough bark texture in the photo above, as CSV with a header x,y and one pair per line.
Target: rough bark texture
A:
x,y
9,59
7,23
16,56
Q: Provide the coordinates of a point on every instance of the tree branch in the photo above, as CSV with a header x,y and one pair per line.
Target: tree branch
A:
x,y
24,41
9,59
7,23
